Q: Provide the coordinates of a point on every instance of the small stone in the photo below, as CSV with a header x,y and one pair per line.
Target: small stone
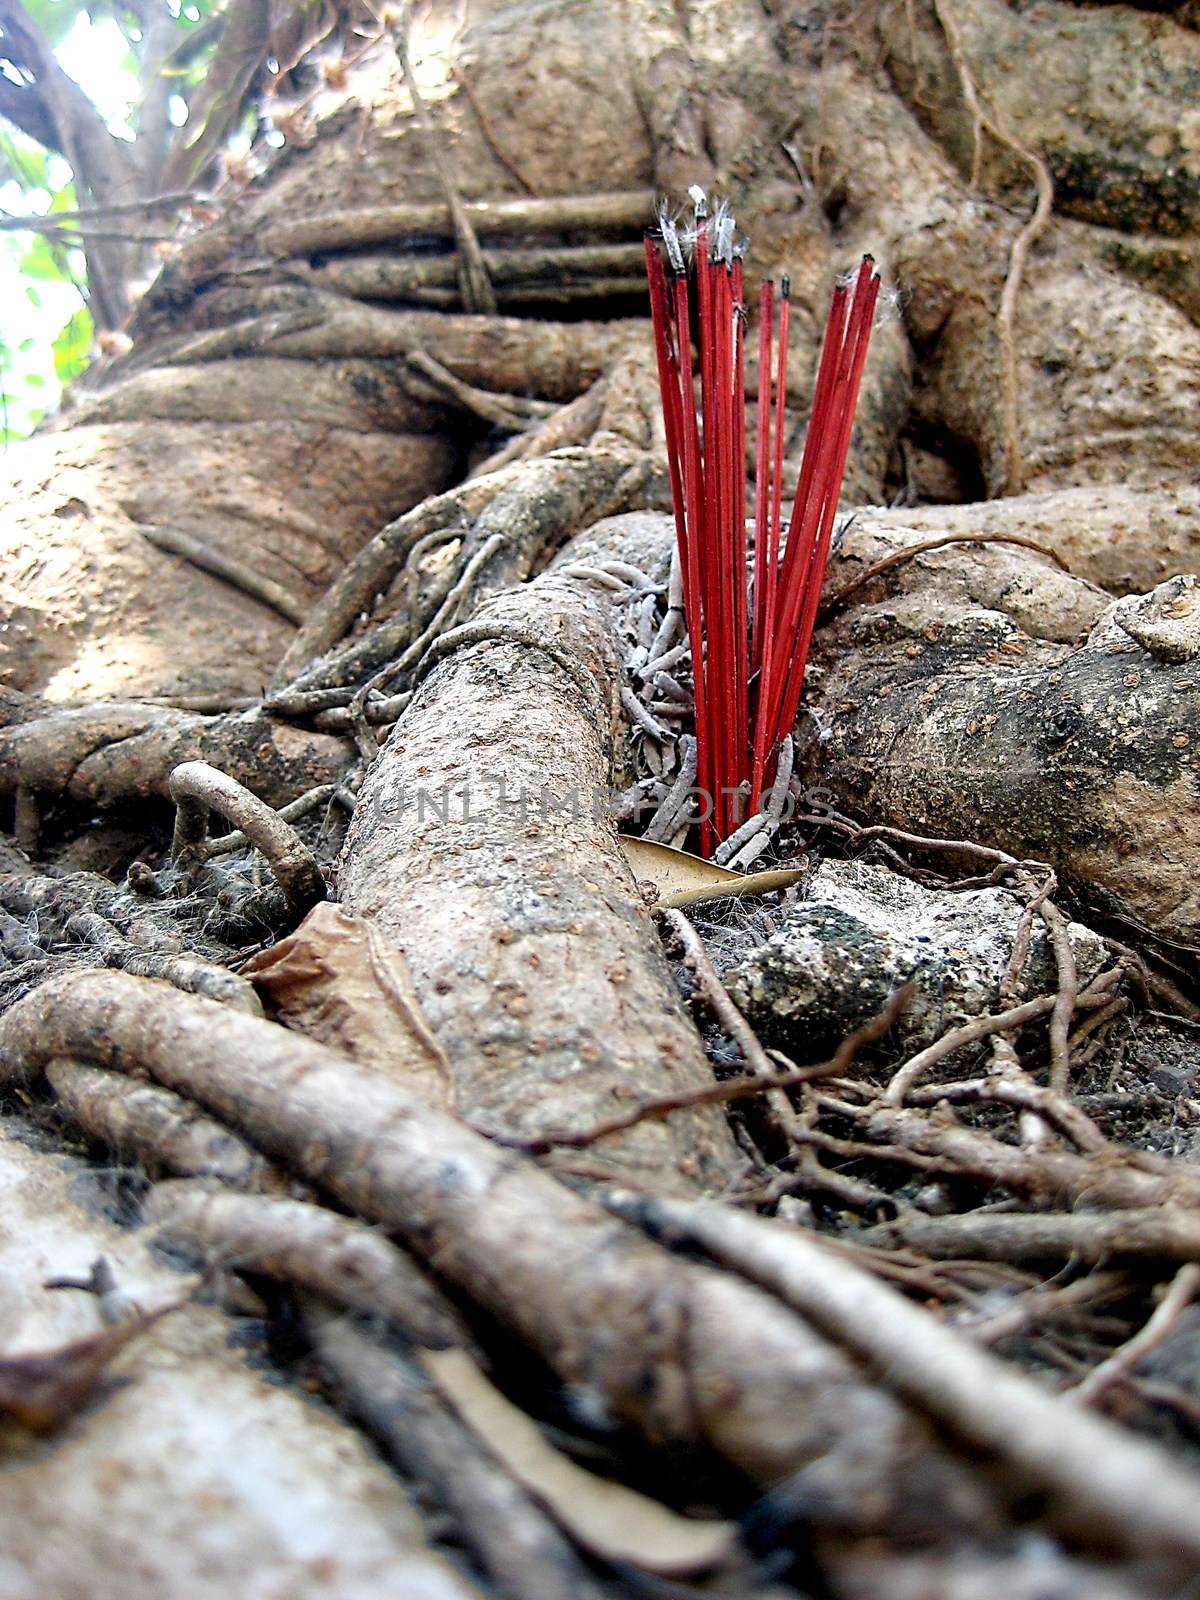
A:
x,y
934,1199
797,1211
1171,1079
862,931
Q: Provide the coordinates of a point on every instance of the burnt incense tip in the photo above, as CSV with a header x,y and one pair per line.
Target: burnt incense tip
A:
x,y
670,239
785,287
723,234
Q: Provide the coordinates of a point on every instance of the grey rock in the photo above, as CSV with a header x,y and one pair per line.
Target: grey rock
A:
x,y
862,931
1171,1079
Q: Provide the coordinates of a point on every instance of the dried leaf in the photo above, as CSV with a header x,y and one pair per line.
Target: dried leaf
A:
x,y
43,1389
338,980
613,1522
683,879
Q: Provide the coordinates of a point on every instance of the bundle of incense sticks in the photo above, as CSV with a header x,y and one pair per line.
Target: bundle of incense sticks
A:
x,y
748,671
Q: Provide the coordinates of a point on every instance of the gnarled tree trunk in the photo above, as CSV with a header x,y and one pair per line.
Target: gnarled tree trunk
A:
x,y
368,464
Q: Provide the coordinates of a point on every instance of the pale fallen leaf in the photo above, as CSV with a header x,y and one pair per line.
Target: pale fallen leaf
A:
x,y
338,980
612,1521
683,879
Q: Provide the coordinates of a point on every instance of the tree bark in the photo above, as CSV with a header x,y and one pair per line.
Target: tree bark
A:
x,y
303,509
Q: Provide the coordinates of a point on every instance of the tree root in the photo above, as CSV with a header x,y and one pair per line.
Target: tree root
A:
x,y
309,1247
198,788
106,754
492,798
1169,1232
510,1536
508,411
256,584
342,230
681,1353
982,121
476,289
588,272
158,1128
515,513
837,601
983,1027
1119,1366
1105,1488
377,563
99,922
1115,1180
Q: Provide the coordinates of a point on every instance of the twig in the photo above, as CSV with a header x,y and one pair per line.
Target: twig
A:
x,y
506,411
474,284
1099,1481
198,788
517,1545
898,558
1005,1061
717,997
1183,1290
966,847
161,202
186,545
712,1094
1064,1001
485,127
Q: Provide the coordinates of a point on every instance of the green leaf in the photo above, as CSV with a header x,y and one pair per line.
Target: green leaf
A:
x,y
55,18
39,262
72,348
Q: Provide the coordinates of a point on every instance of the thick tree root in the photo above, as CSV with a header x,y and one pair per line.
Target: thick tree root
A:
x,y
484,824
103,755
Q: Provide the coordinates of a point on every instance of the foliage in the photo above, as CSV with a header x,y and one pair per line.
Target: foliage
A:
x,y
45,326
169,88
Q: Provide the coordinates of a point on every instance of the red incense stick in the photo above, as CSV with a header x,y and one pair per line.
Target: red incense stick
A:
x,y
737,733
